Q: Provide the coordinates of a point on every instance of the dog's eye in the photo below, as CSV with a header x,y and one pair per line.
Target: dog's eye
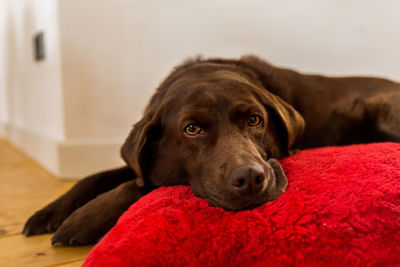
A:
x,y
254,120
192,129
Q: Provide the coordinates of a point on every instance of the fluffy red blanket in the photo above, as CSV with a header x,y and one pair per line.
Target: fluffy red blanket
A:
x,y
341,208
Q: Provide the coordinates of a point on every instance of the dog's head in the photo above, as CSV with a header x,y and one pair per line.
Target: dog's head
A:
x,y
213,124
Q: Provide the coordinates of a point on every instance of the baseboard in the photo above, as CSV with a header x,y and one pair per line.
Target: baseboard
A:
x,y
65,159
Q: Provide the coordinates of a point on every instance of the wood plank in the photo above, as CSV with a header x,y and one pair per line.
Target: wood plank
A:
x,y
15,210
25,188
70,264
36,251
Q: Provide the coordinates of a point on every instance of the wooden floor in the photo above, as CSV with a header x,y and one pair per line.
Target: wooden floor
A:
x,y
24,188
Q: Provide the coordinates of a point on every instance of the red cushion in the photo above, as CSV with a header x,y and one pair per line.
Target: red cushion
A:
x,y
341,208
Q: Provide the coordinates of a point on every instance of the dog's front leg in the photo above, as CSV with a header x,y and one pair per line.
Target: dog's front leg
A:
x,y
49,218
89,223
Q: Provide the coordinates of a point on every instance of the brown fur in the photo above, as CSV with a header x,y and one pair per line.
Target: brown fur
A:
x,y
231,163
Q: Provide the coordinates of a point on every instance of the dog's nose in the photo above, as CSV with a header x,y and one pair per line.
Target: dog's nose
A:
x,y
247,179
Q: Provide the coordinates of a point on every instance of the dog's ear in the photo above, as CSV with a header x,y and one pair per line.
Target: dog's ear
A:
x,y
141,144
277,84
289,122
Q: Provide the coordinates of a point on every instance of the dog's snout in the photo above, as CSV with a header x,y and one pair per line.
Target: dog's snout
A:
x,y
247,179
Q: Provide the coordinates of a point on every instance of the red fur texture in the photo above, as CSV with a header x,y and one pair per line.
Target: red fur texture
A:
x,y
341,208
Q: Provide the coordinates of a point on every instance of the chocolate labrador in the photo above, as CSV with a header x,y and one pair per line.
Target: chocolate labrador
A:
x,y
219,126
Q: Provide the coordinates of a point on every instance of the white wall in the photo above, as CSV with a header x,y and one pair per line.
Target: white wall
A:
x,y
107,57
118,52
30,92
34,95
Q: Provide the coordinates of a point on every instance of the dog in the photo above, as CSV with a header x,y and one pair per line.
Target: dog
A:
x,y
220,126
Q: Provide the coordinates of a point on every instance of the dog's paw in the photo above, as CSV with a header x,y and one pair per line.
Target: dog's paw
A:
x,y
75,232
46,220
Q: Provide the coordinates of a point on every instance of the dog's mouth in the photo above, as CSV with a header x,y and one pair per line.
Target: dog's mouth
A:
x,y
230,201
237,203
